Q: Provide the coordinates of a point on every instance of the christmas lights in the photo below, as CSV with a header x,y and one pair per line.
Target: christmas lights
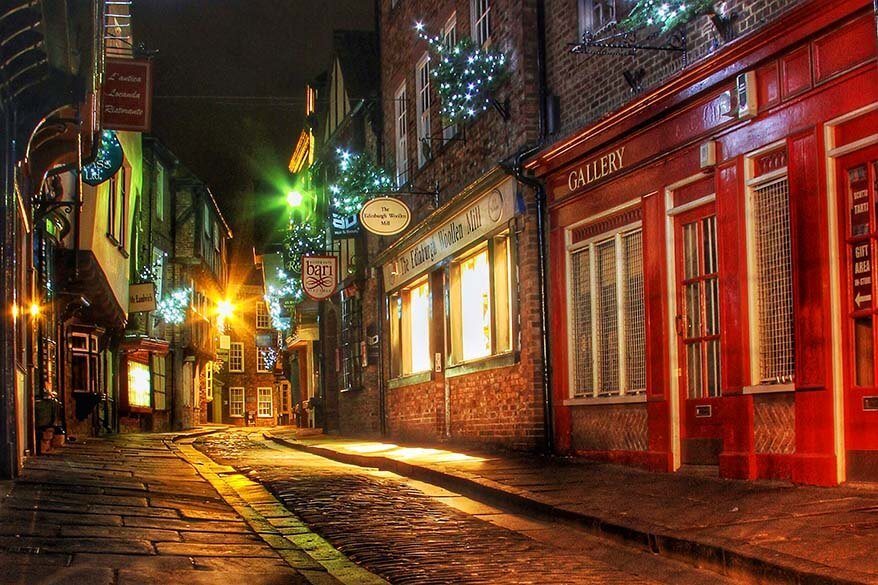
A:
x,y
290,288
172,307
150,272
666,14
357,180
466,76
269,357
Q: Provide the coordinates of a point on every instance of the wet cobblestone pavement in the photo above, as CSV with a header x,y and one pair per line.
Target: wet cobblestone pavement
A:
x,y
406,534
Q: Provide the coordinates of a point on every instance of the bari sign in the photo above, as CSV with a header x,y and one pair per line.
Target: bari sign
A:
x,y
319,276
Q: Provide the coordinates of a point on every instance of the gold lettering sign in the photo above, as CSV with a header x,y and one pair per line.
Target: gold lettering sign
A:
x,y
596,169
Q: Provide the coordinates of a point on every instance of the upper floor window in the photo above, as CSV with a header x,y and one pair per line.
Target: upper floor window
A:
x,y
236,357
422,79
449,37
481,19
263,318
160,191
596,14
117,207
401,133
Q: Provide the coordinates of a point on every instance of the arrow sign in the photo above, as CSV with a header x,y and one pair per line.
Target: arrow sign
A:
x,y
861,298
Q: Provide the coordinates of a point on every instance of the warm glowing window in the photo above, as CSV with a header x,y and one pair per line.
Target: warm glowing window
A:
x,y
263,406
480,294
236,357
236,402
410,329
138,385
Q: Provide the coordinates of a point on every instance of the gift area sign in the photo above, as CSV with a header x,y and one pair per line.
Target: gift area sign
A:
x,y
489,212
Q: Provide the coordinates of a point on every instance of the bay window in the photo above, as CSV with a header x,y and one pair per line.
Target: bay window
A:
x,y
410,329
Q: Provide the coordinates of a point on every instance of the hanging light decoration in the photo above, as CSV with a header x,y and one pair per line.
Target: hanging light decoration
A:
x,y
666,14
172,307
107,161
357,180
289,290
466,76
269,357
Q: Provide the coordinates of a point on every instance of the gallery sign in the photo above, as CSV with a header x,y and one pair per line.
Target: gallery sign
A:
x,y
126,95
489,212
319,276
385,216
141,297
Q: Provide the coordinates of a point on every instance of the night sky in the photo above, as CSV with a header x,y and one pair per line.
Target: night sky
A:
x,y
262,52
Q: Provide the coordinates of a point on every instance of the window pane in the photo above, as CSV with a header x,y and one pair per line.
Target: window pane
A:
x,y
864,351
635,326
264,406
138,384
580,289
693,370
608,340
502,295
395,310
713,368
475,306
774,274
419,311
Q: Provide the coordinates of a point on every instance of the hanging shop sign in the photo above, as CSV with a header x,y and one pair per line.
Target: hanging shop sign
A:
x,y
141,297
385,216
126,95
107,161
491,211
319,276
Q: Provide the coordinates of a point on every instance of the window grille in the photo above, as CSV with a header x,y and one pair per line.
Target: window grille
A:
x,y
774,277
263,317
423,86
236,357
236,402
402,159
481,15
263,402
608,317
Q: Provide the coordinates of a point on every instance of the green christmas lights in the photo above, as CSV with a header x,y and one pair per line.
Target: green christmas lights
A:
x,y
173,306
666,14
466,76
357,180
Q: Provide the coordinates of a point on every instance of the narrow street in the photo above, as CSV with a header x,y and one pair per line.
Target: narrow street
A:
x,y
412,532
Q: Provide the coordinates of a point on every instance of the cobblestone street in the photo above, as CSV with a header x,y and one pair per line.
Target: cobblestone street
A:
x,y
411,532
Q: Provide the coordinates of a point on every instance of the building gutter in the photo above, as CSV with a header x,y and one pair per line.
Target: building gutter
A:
x,y
517,170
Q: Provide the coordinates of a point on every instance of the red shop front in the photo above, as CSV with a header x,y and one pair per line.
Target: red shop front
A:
x,y
711,248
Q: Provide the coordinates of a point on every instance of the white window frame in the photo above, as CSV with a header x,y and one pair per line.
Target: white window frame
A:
x,y
263,317
480,10
401,133
754,183
208,381
449,38
586,14
422,107
623,392
260,402
261,367
233,402
233,357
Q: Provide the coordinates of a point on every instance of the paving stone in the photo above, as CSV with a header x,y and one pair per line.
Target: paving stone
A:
x,y
74,545
214,549
51,575
219,537
124,532
278,576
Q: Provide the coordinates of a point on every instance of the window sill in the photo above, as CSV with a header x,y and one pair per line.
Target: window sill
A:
x,y
492,362
769,388
410,380
113,239
265,416
236,371
597,401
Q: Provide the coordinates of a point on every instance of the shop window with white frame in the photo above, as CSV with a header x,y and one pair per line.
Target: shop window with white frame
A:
x,y
236,357
606,315
263,317
480,293
264,407
422,88
236,401
401,134
410,329
449,38
770,265
480,10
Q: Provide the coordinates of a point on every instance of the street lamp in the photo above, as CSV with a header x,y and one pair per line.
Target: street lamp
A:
x,y
224,310
295,198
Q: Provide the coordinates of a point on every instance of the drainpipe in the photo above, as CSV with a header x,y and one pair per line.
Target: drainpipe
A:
x,y
542,243
379,288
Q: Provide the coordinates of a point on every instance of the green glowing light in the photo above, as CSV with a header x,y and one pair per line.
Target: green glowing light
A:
x,y
294,198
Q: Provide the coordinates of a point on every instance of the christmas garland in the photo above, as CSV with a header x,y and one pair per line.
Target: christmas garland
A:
x,y
303,238
290,288
466,76
357,180
172,307
666,14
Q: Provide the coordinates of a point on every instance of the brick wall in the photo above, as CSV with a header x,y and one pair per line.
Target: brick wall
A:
x,y
590,86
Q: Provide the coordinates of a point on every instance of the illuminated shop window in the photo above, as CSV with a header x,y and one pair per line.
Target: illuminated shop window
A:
x,y
410,329
606,316
138,385
480,294
263,406
236,402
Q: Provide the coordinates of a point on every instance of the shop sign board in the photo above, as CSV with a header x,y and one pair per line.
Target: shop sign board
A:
x,y
861,259
385,216
141,297
126,95
489,212
319,276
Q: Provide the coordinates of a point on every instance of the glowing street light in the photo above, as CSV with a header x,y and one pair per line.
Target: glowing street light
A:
x,y
224,310
295,198
34,310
